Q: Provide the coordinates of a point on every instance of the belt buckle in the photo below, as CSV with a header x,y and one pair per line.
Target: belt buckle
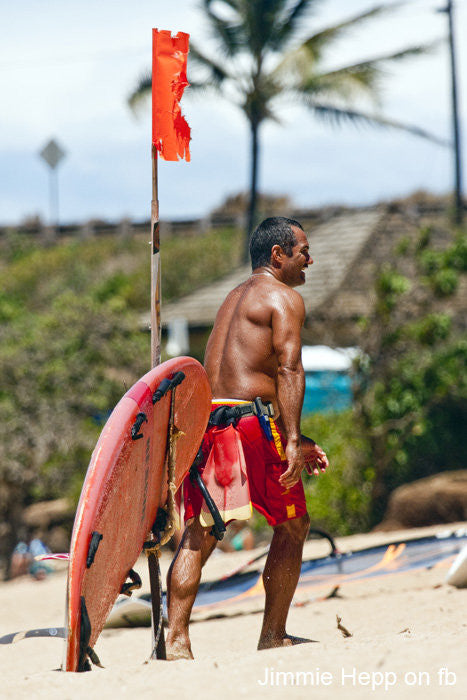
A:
x,y
262,413
262,409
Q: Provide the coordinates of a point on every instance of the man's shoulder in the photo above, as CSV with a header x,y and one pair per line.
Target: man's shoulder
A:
x,y
270,292
282,301
289,295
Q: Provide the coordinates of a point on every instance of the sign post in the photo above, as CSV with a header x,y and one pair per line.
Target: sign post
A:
x,y
53,154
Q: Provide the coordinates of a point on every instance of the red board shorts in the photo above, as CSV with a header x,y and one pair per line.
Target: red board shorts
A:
x,y
265,463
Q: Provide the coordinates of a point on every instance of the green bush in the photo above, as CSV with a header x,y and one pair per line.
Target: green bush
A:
x,y
70,346
445,282
191,262
338,500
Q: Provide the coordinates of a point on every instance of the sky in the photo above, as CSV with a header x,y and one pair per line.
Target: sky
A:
x,y
67,68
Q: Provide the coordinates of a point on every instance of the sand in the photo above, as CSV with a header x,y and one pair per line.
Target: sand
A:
x,y
407,628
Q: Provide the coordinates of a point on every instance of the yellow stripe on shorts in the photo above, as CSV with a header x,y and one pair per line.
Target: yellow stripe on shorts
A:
x,y
277,439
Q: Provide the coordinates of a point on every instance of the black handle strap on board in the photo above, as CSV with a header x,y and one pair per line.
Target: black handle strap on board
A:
x,y
218,529
140,419
167,385
96,538
133,584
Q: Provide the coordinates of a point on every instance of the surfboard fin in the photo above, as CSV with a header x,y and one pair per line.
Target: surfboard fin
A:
x,y
94,658
86,652
84,636
14,637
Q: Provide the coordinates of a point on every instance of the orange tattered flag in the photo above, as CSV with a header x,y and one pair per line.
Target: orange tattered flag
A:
x,y
170,130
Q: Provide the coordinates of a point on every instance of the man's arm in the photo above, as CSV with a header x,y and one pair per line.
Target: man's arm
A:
x,y
287,320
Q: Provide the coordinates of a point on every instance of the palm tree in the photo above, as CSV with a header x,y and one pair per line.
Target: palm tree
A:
x,y
261,60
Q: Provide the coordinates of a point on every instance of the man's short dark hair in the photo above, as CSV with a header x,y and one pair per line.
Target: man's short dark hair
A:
x,y
276,230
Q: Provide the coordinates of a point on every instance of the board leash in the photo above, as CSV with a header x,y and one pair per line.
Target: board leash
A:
x,y
164,525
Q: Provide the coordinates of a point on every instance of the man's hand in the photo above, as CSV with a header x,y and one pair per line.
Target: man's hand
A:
x,y
315,459
294,455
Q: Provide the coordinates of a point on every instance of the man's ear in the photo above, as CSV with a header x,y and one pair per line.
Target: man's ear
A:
x,y
277,254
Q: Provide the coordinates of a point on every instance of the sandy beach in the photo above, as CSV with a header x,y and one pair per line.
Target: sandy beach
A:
x,y
409,641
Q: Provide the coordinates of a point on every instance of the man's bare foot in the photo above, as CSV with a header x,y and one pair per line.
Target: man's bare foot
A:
x,y
179,649
287,641
173,655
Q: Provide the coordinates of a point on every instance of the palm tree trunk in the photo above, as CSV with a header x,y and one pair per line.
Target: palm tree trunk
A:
x,y
252,203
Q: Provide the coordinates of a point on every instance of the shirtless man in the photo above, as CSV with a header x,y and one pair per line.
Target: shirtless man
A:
x,y
255,350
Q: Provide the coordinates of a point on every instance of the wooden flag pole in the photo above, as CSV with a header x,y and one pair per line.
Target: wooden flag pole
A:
x,y
172,133
155,268
158,651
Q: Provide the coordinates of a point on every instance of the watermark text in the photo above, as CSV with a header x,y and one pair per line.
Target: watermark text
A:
x,y
353,677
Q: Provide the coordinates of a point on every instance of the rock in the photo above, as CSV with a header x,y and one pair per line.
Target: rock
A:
x,y
46,513
441,498
58,539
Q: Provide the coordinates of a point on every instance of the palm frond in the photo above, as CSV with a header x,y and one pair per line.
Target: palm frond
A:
x,y
291,20
339,115
141,92
227,34
217,74
312,48
347,83
297,12
364,77
263,23
385,58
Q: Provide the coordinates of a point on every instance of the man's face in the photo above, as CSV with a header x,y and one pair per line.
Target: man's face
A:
x,y
294,267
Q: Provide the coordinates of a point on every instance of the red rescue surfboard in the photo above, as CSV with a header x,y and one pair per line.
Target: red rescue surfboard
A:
x,y
125,484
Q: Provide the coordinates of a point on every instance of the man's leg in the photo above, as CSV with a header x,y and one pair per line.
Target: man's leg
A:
x,y
183,580
280,578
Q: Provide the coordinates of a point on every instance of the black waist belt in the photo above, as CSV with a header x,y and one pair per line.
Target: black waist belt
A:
x,y
226,415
